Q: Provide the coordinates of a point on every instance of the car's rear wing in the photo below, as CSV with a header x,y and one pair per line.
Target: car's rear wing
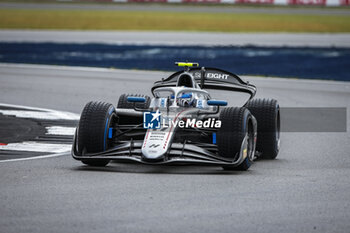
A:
x,y
211,78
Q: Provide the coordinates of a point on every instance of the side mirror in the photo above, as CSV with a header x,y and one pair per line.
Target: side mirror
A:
x,y
134,99
217,102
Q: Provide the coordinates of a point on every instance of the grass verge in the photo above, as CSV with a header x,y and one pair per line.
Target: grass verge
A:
x,y
123,20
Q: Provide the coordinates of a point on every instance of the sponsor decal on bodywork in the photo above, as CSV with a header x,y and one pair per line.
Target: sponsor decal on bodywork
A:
x,y
210,75
216,76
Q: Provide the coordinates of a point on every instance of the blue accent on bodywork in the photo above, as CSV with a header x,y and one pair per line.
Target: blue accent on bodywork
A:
x,y
245,120
200,104
217,102
110,133
186,96
183,96
136,99
214,138
104,138
110,111
247,162
162,102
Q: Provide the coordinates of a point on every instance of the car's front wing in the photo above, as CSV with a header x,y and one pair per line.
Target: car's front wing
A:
x,y
179,153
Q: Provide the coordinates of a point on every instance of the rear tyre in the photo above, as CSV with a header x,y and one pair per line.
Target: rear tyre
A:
x,y
236,124
267,114
94,124
123,101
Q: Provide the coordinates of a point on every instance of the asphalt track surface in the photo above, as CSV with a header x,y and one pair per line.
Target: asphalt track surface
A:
x,y
306,189
339,40
228,8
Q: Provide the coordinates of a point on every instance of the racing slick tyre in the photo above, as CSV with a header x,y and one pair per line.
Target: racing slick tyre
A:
x,y
267,114
93,130
236,124
123,101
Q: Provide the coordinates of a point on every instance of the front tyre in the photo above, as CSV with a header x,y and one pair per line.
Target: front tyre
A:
x,y
267,114
93,129
236,125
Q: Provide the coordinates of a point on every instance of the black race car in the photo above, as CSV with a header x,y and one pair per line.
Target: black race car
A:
x,y
181,124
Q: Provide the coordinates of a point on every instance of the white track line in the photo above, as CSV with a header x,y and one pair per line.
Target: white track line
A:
x,y
32,146
38,113
52,115
59,130
35,157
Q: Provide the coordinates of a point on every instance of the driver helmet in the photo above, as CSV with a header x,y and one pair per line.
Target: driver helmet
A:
x,y
186,100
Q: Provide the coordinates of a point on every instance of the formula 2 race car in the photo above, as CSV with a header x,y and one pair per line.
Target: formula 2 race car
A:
x,y
181,124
